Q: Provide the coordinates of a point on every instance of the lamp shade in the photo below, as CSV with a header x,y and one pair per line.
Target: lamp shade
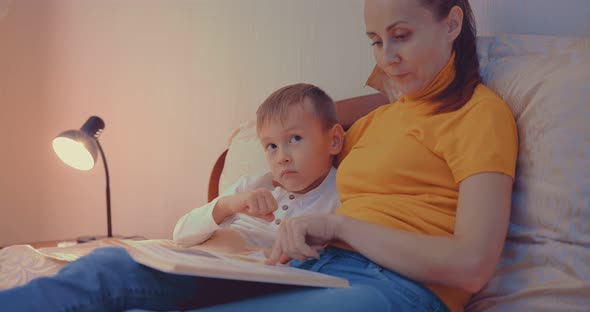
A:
x,y
78,148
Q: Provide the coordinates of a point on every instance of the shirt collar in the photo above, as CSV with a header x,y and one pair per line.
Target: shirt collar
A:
x,y
442,80
318,191
379,81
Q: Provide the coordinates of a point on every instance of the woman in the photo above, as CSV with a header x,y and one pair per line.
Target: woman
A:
x,y
425,182
425,185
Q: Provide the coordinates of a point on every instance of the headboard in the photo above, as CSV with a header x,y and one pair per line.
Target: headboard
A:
x,y
493,17
348,111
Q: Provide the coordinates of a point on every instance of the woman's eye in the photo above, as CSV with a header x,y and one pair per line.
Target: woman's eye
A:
x,y
402,37
294,139
271,147
376,43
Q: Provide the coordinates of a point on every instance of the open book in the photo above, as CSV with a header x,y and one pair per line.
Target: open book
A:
x,y
225,255
238,266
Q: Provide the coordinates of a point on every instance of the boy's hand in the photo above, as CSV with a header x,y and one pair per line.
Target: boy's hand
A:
x,y
258,203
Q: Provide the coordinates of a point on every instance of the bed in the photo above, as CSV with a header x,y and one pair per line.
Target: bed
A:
x,y
545,265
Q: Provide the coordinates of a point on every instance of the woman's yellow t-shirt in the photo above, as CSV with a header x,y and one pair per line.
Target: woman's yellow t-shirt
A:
x,y
401,166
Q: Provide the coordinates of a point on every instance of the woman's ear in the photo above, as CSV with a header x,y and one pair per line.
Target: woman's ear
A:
x,y
454,23
337,139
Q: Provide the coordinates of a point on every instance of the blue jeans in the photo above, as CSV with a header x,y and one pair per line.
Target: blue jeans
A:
x,y
109,280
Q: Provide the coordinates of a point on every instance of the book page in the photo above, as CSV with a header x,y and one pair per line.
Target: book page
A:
x,y
248,267
224,241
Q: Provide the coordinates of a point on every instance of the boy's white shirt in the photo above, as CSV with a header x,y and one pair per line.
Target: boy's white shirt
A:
x,y
198,225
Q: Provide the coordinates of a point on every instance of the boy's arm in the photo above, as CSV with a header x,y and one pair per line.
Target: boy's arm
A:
x,y
245,196
198,225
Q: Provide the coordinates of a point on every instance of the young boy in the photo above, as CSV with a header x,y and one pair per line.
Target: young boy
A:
x,y
298,129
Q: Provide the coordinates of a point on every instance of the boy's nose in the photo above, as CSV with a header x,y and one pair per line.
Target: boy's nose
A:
x,y
284,158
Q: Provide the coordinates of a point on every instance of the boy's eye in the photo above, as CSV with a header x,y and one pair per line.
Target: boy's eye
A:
x,y
295,139
271,147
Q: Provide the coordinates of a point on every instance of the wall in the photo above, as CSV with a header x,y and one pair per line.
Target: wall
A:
x,y
24,187
171,79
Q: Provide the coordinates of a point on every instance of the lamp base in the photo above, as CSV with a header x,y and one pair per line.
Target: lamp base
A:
x,y
87,238
91,238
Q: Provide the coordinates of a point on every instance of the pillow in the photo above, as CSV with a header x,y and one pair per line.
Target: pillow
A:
x,y
545,265
245,156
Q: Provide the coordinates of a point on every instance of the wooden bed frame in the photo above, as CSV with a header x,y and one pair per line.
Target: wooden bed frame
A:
x,y
348,111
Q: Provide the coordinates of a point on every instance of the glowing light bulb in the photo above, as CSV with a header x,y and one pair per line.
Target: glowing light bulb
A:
x,y
73,153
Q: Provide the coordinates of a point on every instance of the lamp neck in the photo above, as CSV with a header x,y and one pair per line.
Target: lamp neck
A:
x,y
108,189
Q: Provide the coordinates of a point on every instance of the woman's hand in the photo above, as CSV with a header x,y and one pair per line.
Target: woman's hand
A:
x,y
301,237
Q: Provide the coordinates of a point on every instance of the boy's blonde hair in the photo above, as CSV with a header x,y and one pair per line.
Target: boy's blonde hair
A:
x,y
279,102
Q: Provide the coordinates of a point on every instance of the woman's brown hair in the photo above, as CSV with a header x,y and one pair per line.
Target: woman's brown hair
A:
x,y
467,76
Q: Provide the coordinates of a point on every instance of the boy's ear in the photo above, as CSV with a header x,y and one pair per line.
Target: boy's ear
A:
x,y
337,135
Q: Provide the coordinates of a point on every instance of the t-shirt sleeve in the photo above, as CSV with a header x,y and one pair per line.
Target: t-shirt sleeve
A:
x,y
485,139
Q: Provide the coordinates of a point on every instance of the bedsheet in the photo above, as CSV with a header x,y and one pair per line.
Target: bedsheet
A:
x,y
21,263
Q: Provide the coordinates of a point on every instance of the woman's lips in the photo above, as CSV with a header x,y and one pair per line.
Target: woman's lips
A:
x,y
400,76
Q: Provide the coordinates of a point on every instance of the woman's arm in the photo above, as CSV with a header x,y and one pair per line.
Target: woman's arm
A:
x,y
465,260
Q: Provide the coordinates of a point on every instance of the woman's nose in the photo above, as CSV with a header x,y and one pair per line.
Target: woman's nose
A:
x,y
392,56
